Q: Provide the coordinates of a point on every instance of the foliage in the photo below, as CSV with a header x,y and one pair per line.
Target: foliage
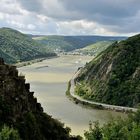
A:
x,y
9,134
116,129
69,43
96,48
16,47
5,110
41,127
114,75
68,88
82,90
94,133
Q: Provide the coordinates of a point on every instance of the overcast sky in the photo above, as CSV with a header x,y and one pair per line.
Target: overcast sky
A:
x,y
72,17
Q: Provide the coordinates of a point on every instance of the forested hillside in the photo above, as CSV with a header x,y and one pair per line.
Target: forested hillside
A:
x,y
113,77
69,43
16,47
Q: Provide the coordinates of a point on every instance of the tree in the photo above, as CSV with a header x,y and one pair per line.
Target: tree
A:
x,y
8,133
116,129
94,133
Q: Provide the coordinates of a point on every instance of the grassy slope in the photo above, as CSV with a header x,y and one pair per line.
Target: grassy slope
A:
x,y
15,46
96,48
114,75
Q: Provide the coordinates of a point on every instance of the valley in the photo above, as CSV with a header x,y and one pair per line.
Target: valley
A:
x,y
107,66
69,70
50,84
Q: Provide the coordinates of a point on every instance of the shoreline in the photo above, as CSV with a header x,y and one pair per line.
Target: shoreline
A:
x,y
30,62
95,105
79,102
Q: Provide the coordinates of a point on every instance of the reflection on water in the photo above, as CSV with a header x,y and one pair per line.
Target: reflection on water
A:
x,y
49,81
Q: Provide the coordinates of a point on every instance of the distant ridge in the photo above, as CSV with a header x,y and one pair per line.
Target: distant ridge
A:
x,y
69,43
17,47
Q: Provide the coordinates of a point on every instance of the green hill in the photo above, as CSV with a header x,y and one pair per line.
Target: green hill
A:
x,y
113,77
95,49
69,43
16,47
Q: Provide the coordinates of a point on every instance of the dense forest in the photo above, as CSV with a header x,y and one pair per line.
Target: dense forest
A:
x,y
113,77
17,47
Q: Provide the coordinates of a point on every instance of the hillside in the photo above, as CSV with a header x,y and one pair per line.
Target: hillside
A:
x,y
95,48
16,47
22,114
113,77
69,43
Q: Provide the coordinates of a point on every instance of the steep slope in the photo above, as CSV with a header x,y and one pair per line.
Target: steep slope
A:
x,y
114,75
69,43
20,110
15,47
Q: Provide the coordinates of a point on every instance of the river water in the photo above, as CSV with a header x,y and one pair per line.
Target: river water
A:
x,y
48,79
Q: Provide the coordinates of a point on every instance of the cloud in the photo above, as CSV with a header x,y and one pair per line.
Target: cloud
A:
x,y
109,17
115,15
31,5
7,6
110,8
82,27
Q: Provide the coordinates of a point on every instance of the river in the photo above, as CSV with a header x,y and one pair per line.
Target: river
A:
x,y
49,79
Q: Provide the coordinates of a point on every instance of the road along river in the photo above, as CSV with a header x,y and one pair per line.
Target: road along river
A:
x,y
49,80
99,104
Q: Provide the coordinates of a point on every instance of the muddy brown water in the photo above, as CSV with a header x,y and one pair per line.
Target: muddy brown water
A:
x,y
49,79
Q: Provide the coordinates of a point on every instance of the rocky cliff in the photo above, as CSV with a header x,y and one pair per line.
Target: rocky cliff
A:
x,y
20,110
114,75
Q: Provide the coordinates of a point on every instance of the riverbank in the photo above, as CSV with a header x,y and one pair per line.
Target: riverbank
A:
x,y
78,100
22,64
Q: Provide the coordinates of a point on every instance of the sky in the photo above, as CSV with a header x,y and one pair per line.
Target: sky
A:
x,y
72,17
